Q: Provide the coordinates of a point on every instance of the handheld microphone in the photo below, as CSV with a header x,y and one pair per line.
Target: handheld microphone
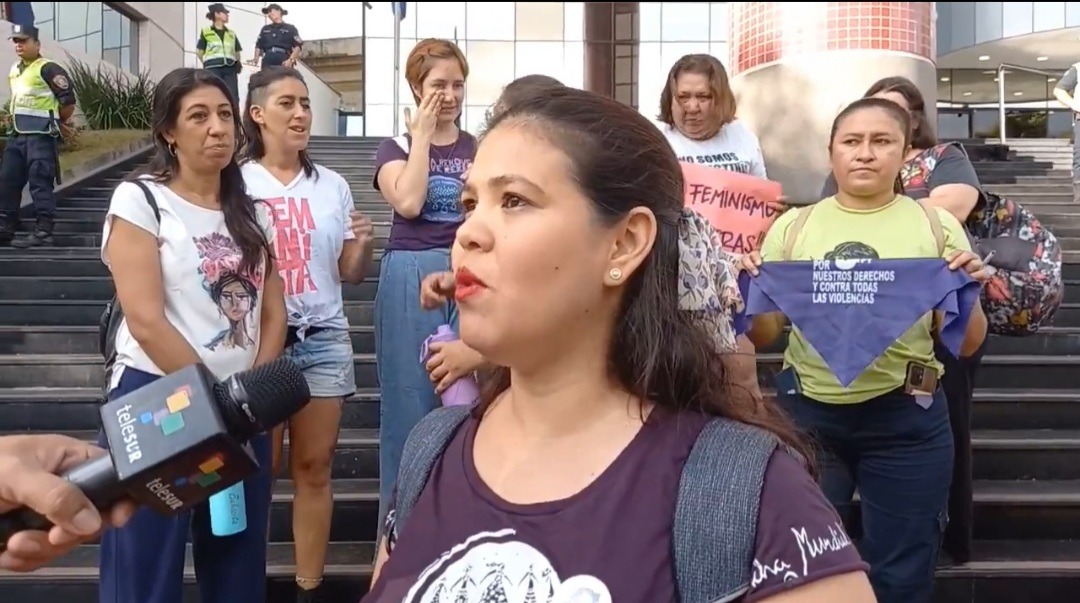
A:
x,y
179,440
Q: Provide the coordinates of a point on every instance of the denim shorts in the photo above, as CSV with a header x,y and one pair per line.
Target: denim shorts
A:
x,y
326,359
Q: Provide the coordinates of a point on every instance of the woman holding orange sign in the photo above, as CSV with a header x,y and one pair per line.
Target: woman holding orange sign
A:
x,y
697,116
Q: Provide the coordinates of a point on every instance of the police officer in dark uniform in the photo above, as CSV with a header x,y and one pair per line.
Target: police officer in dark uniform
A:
x,y
42,102
278,43
219,49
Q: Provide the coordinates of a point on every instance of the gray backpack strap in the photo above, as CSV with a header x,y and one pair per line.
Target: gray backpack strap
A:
x,y
717,511
423,448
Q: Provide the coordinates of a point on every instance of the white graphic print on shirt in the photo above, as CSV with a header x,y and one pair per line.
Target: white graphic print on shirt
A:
x,y
810,547
233,292
492,567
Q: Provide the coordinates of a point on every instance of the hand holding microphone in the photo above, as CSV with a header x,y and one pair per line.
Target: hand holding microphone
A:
x,y
171,445
29,464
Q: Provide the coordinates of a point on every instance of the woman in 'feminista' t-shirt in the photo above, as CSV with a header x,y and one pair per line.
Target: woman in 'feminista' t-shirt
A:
x,y
562,484
322,241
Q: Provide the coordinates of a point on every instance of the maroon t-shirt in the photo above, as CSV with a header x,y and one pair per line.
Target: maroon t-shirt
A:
x,y
442,212
611,542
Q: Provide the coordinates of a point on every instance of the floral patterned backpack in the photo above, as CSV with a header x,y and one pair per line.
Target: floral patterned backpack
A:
x,y
1026,288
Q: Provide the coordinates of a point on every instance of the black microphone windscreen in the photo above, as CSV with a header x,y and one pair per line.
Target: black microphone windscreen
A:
x,y
257,399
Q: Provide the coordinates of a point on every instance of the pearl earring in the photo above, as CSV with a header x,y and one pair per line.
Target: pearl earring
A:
x,y
615,274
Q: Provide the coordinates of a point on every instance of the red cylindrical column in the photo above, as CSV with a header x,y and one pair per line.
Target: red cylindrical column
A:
x,y
795,65
766,32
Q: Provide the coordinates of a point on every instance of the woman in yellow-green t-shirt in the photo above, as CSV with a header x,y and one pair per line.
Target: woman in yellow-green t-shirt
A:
x,y
876,438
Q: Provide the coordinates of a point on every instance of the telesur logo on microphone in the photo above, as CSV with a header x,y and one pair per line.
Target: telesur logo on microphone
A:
x,y
170,420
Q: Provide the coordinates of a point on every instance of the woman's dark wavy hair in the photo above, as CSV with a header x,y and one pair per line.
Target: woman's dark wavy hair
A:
x,y
895,111
258,94
237,206
922,132
620,161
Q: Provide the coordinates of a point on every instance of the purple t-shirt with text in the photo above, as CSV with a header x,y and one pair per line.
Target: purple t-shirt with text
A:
x,y
611,542
442,212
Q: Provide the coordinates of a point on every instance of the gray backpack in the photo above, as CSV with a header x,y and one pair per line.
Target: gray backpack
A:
x,y
716,512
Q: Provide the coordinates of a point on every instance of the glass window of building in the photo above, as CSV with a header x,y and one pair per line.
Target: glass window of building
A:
x,y
93,29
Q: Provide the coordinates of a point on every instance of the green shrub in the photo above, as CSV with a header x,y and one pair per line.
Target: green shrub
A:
x,y
112,100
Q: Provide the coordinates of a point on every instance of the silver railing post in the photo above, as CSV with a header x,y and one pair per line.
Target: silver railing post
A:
x,y
1001,102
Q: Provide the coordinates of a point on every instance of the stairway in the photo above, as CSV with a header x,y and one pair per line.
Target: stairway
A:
x,y
1026,418
1039,177
50,379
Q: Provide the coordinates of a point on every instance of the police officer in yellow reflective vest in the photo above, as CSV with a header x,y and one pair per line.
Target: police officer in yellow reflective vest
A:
x,y
219,49
42,102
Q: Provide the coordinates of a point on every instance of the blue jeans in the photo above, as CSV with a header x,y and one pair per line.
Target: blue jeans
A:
x,y
143,562
401,326
900,457
326,359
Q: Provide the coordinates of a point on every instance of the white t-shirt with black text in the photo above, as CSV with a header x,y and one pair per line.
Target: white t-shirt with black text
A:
x,y
215,307
734,148
311,219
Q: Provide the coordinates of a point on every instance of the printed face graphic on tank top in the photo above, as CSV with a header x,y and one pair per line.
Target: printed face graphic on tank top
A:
x,y
443,202
234,293
494,567
851,307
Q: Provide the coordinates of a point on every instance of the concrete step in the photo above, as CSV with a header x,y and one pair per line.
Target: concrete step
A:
x,y
1027,190
93,241
72,409
997,178
74,578
82,312
78,370
85,371
78,339
101,288
52,409
48,263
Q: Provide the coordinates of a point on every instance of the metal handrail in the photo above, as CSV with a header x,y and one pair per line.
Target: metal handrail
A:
x,y
1027,69
1001,91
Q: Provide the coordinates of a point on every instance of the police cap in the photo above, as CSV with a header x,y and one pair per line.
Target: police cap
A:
x,y
24,32
275,6
215,8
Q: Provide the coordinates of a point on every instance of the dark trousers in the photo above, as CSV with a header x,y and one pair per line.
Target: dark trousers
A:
x,y
274,58
29,159
899,457
143,562
228,75
958,383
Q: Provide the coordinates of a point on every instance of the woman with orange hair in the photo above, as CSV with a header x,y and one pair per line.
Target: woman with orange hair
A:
x,y
421,176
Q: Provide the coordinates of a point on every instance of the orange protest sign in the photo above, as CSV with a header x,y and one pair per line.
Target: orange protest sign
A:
x,y
737,205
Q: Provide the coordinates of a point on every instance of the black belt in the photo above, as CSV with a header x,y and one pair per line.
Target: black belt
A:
x,y
292,335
